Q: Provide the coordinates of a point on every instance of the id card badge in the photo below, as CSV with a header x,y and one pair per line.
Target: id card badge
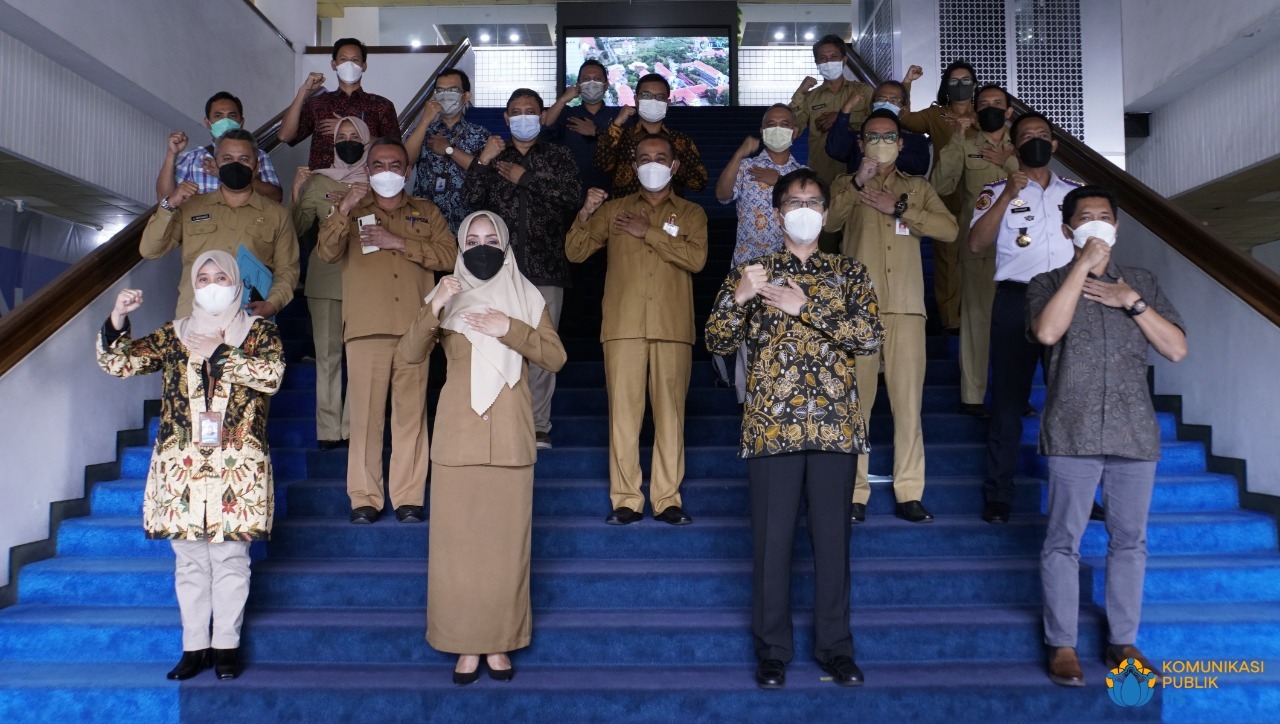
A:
x,y
670,227
900,228
209,429
363,221
441,184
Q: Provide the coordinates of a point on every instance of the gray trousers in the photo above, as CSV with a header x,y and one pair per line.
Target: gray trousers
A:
x,y
1126,493
542,384
212,582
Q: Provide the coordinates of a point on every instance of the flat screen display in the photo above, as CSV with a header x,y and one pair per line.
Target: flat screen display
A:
x,y
696,66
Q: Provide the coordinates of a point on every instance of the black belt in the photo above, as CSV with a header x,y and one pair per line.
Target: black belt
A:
x,y
1012,285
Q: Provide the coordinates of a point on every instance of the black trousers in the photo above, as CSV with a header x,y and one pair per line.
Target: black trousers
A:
x,y
1013,366
777,482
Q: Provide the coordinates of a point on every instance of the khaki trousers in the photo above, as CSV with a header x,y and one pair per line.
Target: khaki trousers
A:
x,y
212,583
946,283
904,367
977,294
542,384
371,373
333,419
665,366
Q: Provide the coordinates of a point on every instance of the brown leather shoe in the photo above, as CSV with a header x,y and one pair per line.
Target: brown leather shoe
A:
x,y
1064,667
1116,654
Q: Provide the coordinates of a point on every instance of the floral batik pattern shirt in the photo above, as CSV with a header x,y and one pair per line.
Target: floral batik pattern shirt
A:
x,y
438,179
758,234
801,390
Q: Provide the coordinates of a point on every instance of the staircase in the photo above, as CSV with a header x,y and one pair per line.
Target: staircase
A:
x,y
645,622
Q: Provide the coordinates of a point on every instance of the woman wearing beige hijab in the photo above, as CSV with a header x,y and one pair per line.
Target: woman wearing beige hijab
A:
x,y
209,487
492,323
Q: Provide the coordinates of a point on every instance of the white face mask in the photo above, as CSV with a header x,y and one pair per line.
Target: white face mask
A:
x,y
777,139
591,91
525,127
450,102
387,184
803,225
214,298
349,72
1101,229
652,110
653,175
832,70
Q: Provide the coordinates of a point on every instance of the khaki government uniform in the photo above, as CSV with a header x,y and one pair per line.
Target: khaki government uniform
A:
x,y
481,492
647,329
206,223
946,257
962,169
811,106
382,293
893,262
323,288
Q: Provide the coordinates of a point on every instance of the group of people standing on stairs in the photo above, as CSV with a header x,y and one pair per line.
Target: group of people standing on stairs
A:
x,y
826,289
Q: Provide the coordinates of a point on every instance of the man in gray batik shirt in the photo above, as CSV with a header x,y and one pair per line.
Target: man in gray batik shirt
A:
x,y
1097,321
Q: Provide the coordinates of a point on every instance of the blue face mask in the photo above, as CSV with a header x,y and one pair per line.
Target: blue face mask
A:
x,y
885,106
221,126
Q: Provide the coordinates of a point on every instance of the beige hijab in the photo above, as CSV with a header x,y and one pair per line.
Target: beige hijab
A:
x,y
493,364
349,173
232,323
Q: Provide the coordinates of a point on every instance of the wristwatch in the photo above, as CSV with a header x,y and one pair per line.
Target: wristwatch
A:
x,y
1138,307
448,150
900,208
164,204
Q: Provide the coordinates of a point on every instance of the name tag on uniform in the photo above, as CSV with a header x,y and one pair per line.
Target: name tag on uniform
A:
x,y
670,227
975,155
1020,210
441,184
209,429
201,217
363,221
900,228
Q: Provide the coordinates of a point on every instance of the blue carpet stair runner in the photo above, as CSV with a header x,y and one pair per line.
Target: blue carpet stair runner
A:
x,y
646,622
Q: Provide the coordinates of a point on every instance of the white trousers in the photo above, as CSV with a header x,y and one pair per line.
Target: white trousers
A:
x,y
212,582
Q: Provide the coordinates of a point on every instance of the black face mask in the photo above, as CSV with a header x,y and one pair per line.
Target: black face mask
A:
x,y
991,119
235,175
483,261
1036,152
959,92
349,151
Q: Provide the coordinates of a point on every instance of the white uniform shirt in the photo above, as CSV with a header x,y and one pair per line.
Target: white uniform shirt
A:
x,y
1036,212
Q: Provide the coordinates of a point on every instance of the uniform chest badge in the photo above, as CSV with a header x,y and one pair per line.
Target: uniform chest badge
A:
x,y
984,199
1023,240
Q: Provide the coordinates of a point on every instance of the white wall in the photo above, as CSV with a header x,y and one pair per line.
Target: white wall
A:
x,y
1235,393
62,412
1268,254
1223,125
1172,44
295,18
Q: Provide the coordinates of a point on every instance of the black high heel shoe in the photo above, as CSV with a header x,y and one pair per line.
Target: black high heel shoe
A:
x,y
462,679
501,674
191,663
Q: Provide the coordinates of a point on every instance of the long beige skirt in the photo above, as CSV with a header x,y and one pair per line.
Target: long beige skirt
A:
x,y
478,562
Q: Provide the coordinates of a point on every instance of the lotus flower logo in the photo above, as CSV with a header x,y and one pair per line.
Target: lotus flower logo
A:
x,y
1130,684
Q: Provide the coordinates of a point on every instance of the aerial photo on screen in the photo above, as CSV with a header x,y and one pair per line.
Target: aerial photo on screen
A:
x,y
696,67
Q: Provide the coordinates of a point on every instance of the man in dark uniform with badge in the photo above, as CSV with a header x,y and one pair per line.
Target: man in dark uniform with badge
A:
x,y
1022,216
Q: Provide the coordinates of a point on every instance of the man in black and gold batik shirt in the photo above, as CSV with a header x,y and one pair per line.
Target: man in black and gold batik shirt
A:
x,y
804,315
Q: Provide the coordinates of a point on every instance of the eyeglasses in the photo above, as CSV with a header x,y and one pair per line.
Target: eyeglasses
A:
x,y
793,204
647,96
456,89
966,80
874,138
882,99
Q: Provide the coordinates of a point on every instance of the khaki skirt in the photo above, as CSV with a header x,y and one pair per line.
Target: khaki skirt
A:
x,y
478,561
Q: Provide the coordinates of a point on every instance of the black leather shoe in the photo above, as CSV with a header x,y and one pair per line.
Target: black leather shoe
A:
x,y
364,515
624,516
226,663
913,512
471,678
995,513
1098,513
191,663
673,515
771,674
1030,411
979,411
332,444
858,514
410,514
502,674
842,670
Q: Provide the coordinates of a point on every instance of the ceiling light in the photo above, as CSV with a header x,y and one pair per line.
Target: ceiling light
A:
x,y
415,43
808,35
514,37
779,35
484,37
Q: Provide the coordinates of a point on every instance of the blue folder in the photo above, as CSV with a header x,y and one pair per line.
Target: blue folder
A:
x,y
255,276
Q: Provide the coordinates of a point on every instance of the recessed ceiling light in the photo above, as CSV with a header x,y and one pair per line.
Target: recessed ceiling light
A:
x,y
514,37
779,35
808,35
484,37
415,43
